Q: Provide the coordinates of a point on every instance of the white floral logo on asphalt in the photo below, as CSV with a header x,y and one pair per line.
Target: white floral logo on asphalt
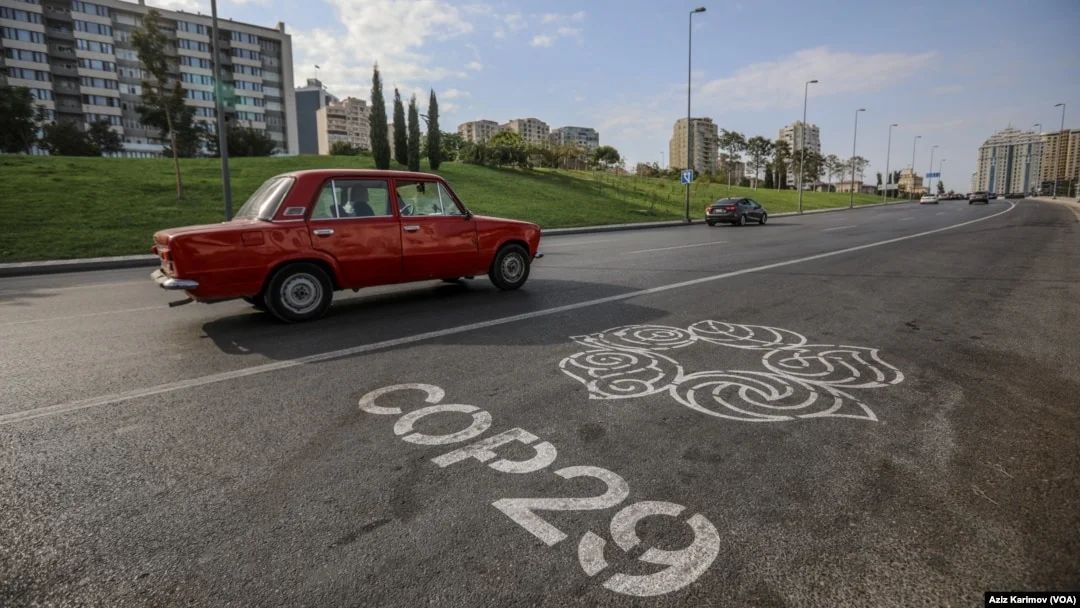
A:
x,y
800,380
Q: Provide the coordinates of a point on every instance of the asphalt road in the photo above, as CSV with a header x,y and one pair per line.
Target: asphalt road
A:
x,y
878,407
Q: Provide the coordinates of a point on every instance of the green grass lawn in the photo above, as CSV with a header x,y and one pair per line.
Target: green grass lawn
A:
x,y
64,208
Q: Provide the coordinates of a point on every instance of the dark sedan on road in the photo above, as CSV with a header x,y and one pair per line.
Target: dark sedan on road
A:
x,y
735,211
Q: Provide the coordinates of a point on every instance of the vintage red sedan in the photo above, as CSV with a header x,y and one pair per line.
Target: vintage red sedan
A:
x,y
303,235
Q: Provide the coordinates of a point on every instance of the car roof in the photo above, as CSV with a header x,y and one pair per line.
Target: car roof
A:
x,y
320,174
720,200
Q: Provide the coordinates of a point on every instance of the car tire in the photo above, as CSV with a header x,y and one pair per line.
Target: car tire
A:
x,y
299,292
764,218
257,301
711,224
739,221
510,269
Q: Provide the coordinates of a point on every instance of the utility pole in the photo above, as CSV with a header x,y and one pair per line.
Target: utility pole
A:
x,y
689,131
885,196
851,196
223,138
913,142
802,155
930,180
1063,145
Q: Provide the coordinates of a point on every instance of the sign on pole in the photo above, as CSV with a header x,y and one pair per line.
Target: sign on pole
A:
x,y
688,176
889,187
932,175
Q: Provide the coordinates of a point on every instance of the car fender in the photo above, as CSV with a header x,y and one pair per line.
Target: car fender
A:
x,y
302,256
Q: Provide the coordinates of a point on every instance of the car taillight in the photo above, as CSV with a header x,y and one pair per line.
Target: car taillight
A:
x,y
729,208
707,209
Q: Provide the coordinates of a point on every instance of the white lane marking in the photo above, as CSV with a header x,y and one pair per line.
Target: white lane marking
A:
x,y
904,219
676,247
549,245
109,399
82,316
840,227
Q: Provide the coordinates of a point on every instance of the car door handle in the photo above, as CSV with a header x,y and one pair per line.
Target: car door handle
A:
x,y
412,228
323,232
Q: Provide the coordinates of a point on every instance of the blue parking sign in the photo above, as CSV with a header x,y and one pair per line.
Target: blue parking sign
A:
x,y
688,176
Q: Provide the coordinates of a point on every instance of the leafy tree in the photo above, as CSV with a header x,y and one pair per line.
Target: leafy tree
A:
x,y
879,179
758,149
105,139
833,167
248,141
18,129
507,148
768,176
434,135
343,148
450,142
380,133
414,136
734,143
781,158
606,156
65,138
162,97
401,142
940,188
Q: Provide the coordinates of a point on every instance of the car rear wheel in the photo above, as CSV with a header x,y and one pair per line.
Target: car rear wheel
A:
x,y
711,223
764,218
299,292
510,269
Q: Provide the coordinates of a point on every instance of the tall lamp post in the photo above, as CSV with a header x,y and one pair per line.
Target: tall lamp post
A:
x,y
851,197
806,89
689,131
1062,139
885,196
1039,133
219,110
662,161
930,180
941,163
913,142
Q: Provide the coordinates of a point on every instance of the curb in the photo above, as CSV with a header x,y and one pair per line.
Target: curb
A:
x,y
19,269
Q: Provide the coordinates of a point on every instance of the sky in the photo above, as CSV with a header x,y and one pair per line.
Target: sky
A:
x,y
952,71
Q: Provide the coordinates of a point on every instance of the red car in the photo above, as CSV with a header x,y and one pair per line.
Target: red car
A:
x,y
303,235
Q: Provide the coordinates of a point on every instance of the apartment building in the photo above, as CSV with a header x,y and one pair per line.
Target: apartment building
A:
x,y
1010,161
1061,157
911,183
347,121
309,99
478,131
532,130
793,134
584,137
77,60
704,137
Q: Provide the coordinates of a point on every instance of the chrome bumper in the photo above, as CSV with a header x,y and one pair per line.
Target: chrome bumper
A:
x,y
164,281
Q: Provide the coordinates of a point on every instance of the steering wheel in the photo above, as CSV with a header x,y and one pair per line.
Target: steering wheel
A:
x,y
407,209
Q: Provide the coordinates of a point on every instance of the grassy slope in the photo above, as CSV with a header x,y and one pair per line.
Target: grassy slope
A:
x,y
60,208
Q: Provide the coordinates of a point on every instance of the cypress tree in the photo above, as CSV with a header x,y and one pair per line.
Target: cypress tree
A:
x,y
401,145
414,136
380,142
434,136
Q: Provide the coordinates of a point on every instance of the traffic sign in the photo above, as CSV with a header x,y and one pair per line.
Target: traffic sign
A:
x,y
888,187
688,176
932,175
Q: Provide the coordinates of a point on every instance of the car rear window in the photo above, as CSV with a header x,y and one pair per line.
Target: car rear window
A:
x,y
263,204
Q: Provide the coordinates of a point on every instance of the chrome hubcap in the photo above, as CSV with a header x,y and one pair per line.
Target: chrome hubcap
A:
x,y
512,267
301,293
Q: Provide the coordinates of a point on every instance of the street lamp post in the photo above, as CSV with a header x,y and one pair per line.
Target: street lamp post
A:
x,y
930,180
1062,139
662,161
802,155
851,196
885,196
1039,132
913,142
219,110
689,131
940,164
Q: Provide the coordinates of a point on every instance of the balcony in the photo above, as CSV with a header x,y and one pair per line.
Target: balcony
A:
x,y
59,33
67,52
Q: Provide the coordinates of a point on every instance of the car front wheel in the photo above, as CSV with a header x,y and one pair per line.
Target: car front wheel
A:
x,y
739,221
299,292
764,218
510,269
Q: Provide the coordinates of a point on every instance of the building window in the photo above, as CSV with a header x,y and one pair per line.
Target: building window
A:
x,y
17,15
194,28
249,70
101,100
22,35
199,95
97,64
28,74
246,54
92,9
206,112
122,35
193,45
128,19
272,47
271,76
205,79
112,120
246,38
276,92
22,55
47,114
93,28
249,86
41,94
100,83
196,62
252,116
250,101
133,72
94,46
127,55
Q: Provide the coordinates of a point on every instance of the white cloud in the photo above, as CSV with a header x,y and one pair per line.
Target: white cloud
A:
x,y
579,97
779,84
454,94
544,41
499,33
385,31
560,18
190,6
515,22
476,66
947,89
547,40
262,2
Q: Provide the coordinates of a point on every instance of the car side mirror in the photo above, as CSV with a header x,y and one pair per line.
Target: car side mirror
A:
x,y
468,215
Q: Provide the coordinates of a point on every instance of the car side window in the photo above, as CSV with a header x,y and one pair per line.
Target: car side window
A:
x,y
754,204
352,198
417,197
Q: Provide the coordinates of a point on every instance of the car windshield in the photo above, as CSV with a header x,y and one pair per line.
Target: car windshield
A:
x,y
264,202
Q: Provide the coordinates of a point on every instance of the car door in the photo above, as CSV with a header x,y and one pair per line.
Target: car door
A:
x,y
756,210
353,221
438,238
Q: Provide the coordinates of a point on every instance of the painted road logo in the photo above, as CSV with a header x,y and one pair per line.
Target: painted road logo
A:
x,y
800,380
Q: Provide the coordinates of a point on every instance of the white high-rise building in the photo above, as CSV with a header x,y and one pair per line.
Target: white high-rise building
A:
x,y
704,138
77,60
532,130
346,121
478,131
1010,161
793,135
584,137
